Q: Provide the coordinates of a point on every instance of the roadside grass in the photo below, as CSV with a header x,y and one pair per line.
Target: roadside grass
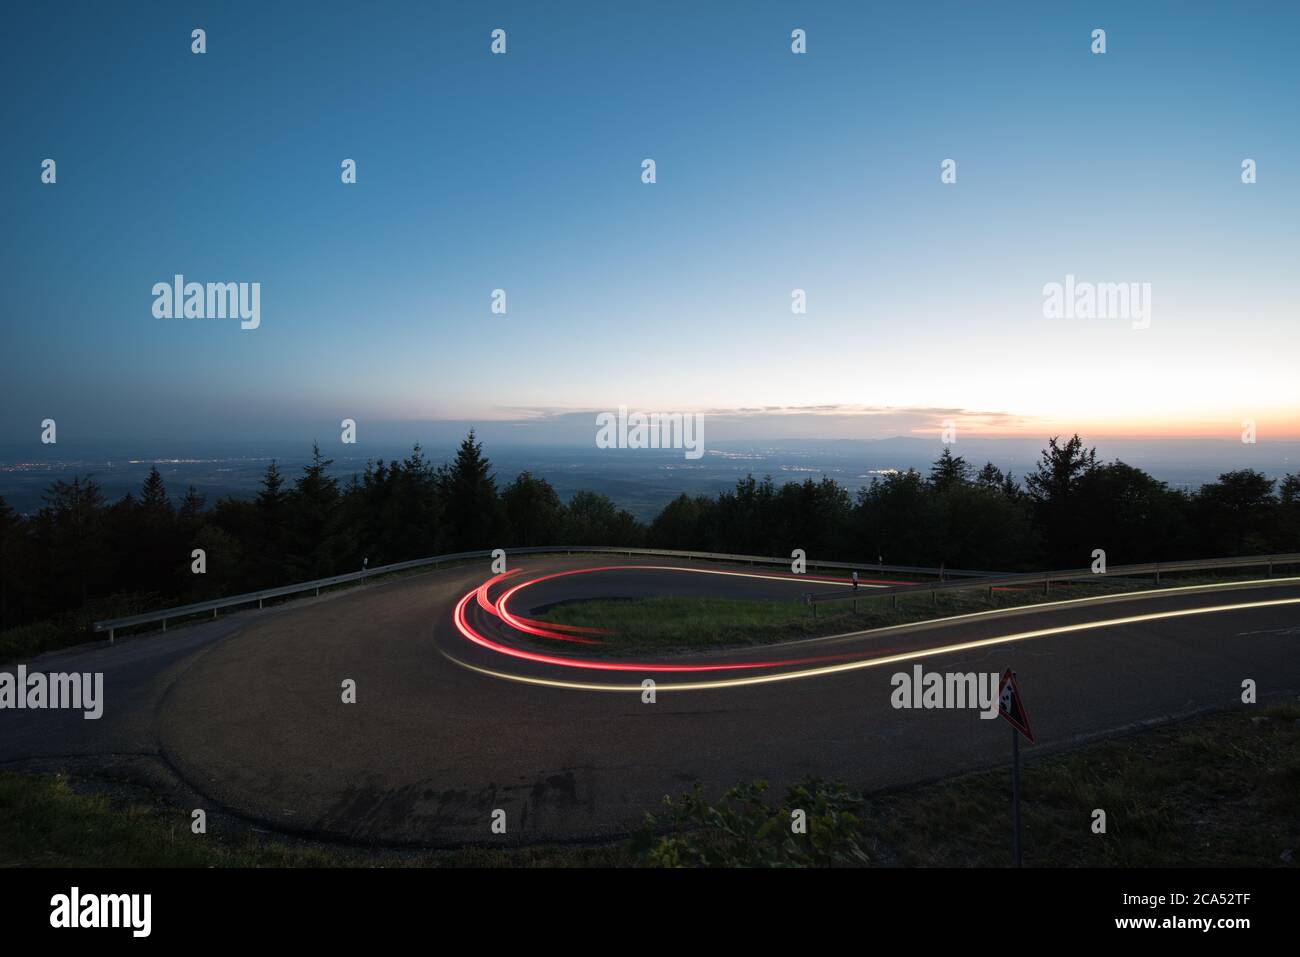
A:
x,y
1221,790
45,822
667,624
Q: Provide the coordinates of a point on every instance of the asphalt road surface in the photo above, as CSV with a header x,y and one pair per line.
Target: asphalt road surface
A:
x,y
460,711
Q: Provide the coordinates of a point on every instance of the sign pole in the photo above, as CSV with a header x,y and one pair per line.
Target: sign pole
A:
x,y
1013,709
1015,794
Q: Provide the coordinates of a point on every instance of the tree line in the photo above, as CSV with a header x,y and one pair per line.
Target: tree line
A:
x,y
80,554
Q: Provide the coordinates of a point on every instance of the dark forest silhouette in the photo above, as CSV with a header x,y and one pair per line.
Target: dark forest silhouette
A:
x,y
83,557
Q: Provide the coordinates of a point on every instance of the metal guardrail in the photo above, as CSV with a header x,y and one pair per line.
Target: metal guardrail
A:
x,y
259,597
942,571
1068,575
968,578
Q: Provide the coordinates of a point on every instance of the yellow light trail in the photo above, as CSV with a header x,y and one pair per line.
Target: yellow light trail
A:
x,y
1013,610
872,662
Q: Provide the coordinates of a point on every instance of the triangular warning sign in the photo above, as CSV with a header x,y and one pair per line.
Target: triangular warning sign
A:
x,y
1011,707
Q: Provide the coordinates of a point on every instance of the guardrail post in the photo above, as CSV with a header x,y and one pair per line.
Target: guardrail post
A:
x,y
164,624
259,604
1157,573
990,594
214,614
895,601
110,635
1046,585
1270,569
318,591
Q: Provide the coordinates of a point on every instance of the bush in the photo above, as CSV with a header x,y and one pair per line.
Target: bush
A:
x,y
742,831
72,627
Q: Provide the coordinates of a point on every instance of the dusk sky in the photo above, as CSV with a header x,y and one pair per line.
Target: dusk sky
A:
x,y
775,171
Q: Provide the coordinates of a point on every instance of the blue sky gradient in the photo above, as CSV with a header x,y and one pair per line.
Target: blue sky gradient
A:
x,y
775,171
